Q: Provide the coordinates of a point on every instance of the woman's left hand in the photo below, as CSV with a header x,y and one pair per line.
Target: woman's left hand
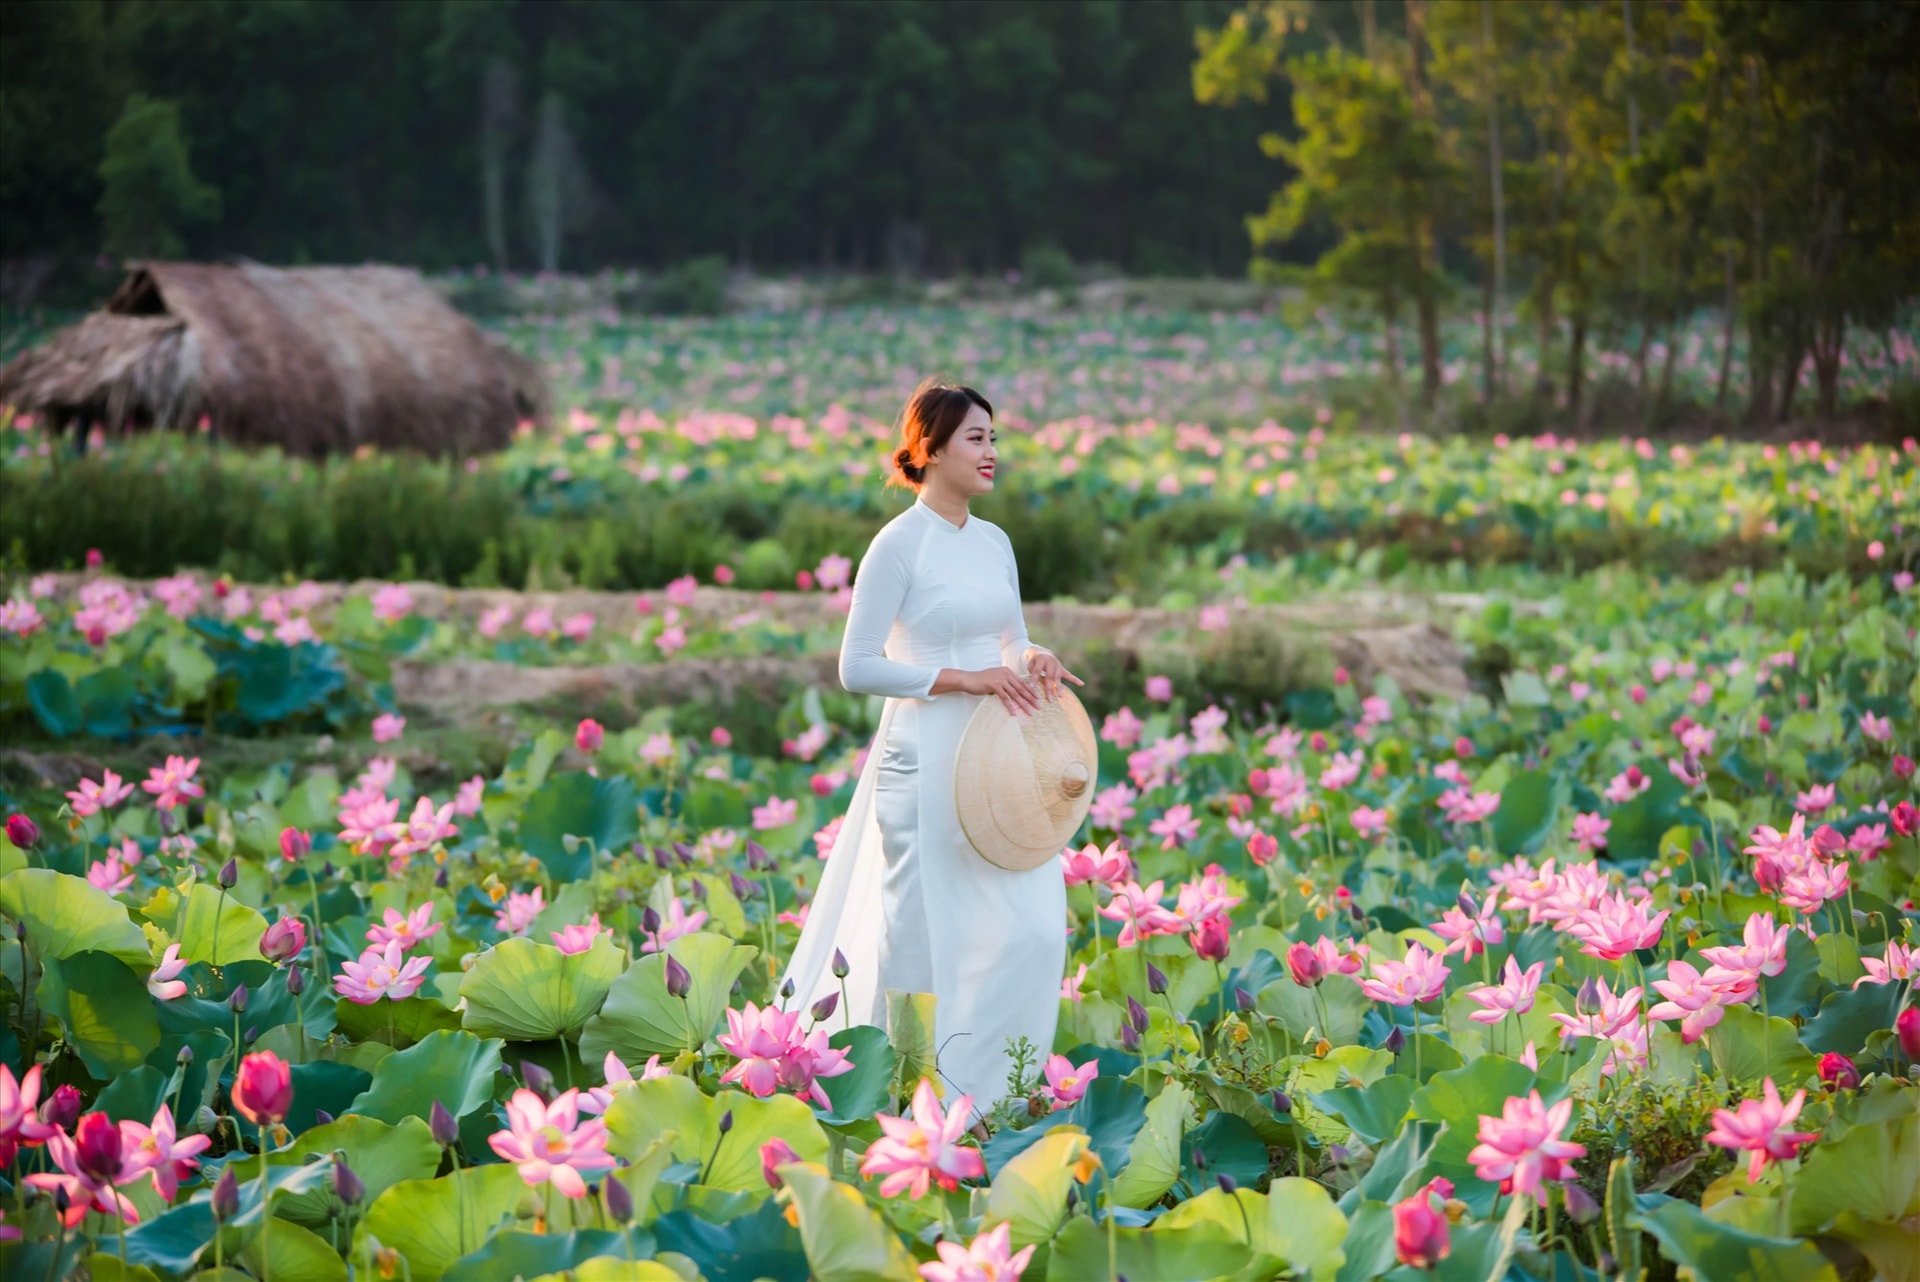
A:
x,y
1049,672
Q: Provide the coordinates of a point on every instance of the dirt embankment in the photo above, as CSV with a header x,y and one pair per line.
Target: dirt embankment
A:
x,y
1370,634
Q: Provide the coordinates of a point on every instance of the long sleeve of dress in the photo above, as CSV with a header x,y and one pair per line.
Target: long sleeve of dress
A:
x,y
878,592
1014,642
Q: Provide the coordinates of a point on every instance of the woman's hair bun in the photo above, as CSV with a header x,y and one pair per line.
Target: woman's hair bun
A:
x,y
903,459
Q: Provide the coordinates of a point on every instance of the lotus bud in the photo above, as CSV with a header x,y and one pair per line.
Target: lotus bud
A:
x,y
1339,1154
445,1131
757,857
229,874
684,852
1396,1040
321,1117
570,843
1242,999
440,878
1282,1103
1580,1204
538,1079
1129,1037
1587,1000
786,990
62,1109
294,844
1136,1015
237,999
1156,979
226,1196
185,1056
284,939
726,1121
346,1185
1226,1183
296,980
253,1031
22,831
618,1200
1906,1029
699,889
679,980
840,967
1199,1158
97,1147
742,888
650,920
1465,903
824,1008
662,858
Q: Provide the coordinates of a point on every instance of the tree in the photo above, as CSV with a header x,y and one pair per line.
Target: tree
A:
x,y
148,190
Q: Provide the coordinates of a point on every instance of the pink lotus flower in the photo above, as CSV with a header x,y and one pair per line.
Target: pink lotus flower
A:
x,y
1121,729
1210,941
407,931
578,938
1627,785
91,798
381,972
90,1165
164,983
1522,1149
284,939
1897,967
424,829
1198,901
678,922
776,813
1814,885
771,1053
1513,995
1471,931
1759,1126
467,802
114,874
600,1098
1070,986
1816,800
1065,1083
1691,998
1762,952
1091,863
1370,823
1590,831
1879,729
1140,908
370,828
1176,827
1310,963
1342,771
916,1152
516,918
1112,807
20,1124
156,1148
1462,805
774,1154
1616,926
1159,689
388,727
985,1259
263,1089
1420,1238
1868,840
172,784
1420,978
550,1144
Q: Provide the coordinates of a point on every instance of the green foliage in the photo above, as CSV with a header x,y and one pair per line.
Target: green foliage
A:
x,y
697,287
148,189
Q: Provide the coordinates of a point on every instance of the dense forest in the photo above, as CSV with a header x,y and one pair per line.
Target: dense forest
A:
x,y
932,134
1596,170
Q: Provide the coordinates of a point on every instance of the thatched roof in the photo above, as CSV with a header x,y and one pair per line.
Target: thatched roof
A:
x,y
317,360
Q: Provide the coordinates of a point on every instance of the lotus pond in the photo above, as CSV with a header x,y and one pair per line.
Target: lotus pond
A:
x,y
1604,969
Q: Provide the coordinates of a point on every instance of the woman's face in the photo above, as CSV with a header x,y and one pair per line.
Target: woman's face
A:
x,y
965,465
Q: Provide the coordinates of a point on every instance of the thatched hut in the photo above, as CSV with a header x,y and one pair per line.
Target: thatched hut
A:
x,y
316,360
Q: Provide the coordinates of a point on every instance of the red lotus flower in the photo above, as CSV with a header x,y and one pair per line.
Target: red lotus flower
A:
x,y
263,1089
1419,1228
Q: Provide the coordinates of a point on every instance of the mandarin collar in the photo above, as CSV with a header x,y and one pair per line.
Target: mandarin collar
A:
x,y
941,522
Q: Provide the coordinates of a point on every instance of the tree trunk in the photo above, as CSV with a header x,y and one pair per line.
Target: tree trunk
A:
x,y
1828,342
1726,341
1665,396
1542,380
1495,172
1790,379
1576,364
1396,382
1759,375
1487,358
1369,30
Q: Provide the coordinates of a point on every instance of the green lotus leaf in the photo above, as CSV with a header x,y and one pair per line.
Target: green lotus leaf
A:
x,y
605,811
526,991
402,1023
1111,1113
516,1254
859,1094
381,1154
454,1067
645,1112
1030,1192
910,1027
1712,1250
1747,1046
640,1018
614,1268
1374,1112
215,928
64,915
432,1223
1206,1249
1153,1160
104,1009
1873,1170
845,1239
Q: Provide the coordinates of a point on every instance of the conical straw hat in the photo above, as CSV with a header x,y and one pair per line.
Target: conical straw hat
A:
x,y
1023,784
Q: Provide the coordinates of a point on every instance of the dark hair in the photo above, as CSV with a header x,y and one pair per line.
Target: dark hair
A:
x,y
932,416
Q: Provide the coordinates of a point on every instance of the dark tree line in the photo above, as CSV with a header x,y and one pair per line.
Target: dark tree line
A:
x,y
939,134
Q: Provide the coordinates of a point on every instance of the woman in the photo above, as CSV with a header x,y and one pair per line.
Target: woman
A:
x,y
904,897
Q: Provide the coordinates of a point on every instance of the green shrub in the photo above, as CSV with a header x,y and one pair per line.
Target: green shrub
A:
x,y
1047,266
697,287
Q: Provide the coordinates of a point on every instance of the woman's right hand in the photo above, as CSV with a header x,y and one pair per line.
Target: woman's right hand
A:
x,y
1006,685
